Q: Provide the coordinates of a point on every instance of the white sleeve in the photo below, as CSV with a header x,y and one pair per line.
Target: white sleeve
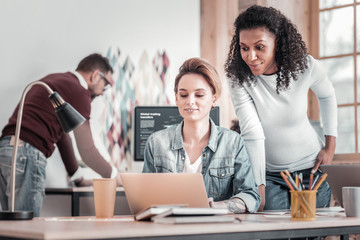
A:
x,y
325,93
251,130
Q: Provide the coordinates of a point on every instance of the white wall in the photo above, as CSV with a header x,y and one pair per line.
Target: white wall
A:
x,y
38,37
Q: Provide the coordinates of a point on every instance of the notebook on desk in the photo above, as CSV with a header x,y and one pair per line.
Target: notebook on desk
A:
x,y
144,190
342,175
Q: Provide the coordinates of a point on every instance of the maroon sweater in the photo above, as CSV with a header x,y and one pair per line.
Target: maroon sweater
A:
x,y
40,126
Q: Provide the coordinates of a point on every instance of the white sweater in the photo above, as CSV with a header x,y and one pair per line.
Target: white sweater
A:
x,y
276,128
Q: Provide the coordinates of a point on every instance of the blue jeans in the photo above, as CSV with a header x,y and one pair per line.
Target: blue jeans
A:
x,y
277,195
30,177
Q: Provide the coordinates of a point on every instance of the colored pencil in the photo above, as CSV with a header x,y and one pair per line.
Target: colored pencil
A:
x,y
311,180
314,182
297,181
320,182
286,181
291,180
301,179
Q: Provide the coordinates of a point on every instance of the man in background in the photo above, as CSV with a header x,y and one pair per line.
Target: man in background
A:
x,y
41,131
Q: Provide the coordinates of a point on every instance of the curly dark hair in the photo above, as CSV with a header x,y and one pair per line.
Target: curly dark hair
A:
x,y
235,126
290,53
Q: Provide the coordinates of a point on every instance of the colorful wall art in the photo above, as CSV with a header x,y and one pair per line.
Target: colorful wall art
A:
x,y
142,82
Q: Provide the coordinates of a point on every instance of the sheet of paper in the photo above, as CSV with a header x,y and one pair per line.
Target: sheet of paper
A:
x,y
274,212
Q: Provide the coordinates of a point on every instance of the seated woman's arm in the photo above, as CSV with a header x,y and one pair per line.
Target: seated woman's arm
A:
x,y
246,196
235,205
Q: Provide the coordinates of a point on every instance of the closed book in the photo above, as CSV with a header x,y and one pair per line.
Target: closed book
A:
x,y
193,215
154,210
195,219
193,211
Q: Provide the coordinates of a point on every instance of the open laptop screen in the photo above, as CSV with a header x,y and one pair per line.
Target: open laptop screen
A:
x,y
342,175
149,119
144,190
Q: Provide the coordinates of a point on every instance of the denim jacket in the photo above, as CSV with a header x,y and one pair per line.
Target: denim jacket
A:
x,y
226,167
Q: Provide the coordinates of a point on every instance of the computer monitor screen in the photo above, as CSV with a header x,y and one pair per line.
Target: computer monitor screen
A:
x,y
149,119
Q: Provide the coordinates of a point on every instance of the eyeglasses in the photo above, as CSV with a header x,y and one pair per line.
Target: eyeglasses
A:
x,y
108,84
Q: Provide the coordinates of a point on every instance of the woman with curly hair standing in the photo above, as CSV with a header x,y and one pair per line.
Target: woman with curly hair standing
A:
x,y
270,74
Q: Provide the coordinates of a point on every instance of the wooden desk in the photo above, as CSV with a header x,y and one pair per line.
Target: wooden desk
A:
x,y
76,193
252,226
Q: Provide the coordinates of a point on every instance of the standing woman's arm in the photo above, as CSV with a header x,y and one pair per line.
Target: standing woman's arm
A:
x,y
325,93
252,133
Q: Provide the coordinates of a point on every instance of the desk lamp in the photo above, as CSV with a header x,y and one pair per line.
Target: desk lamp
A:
x,y
69,119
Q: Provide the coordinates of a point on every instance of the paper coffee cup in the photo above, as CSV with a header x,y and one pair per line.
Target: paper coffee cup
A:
x,y
104,197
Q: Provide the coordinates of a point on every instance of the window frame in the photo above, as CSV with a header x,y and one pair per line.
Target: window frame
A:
x,y
313,109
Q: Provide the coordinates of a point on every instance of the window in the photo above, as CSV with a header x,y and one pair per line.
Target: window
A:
x,y
336,27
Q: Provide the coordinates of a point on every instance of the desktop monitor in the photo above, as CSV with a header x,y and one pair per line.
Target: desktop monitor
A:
x,y
149,119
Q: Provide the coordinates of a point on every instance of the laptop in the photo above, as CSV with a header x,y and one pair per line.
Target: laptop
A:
x,y
145,190
342,175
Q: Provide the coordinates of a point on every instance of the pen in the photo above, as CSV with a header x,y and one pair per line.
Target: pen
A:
x,y
314,182
311,180
320,181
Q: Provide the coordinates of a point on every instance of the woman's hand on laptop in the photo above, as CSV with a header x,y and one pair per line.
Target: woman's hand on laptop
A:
x,y
211,201
234,205
213,204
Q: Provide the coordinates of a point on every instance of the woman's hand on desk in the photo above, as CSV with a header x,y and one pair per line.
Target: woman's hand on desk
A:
x,y
262,195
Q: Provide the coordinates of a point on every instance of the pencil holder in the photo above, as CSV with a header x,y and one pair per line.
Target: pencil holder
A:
x,y
303,205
